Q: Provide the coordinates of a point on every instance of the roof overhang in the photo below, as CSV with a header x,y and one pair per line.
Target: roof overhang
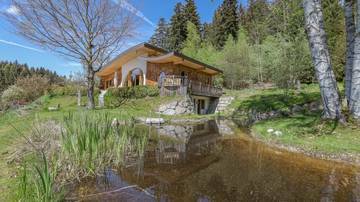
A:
x,y
129,54
155,54
178,58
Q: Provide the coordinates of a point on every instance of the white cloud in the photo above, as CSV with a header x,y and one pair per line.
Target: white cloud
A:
x,y
21,46
126,5
13,10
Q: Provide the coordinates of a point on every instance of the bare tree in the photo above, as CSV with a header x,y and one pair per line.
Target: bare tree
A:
x,y
314,24
350,43
355,75
87,31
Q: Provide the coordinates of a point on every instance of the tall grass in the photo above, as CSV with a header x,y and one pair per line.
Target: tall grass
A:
x,y
38,183
89,142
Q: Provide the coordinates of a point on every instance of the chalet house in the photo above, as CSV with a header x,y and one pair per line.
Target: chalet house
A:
x,y
172,72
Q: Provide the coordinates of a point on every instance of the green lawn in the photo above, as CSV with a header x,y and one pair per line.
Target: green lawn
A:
x,y
263,100
311,133
305,130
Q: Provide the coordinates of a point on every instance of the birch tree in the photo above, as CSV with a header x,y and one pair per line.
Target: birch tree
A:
x,y
314,25
355,77
86,31
350,42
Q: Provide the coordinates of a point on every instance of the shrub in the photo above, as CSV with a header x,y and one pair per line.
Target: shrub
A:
x,y
153,91
12,95
70,90
117,96
34,87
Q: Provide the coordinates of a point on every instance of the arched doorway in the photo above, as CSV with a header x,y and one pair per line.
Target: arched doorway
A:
x,y
135,78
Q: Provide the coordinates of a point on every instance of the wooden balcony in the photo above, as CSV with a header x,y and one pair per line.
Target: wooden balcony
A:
x,y
179,85
197,88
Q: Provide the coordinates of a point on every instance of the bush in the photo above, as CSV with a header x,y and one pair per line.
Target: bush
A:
x,y
12,95
70,90
117,96
34,87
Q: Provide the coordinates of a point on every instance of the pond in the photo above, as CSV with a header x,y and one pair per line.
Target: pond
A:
x,y
217,161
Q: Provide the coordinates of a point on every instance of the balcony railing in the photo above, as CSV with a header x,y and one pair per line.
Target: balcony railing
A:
x,y
181,85
198,88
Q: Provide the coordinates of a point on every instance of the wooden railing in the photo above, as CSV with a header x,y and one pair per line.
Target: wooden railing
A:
x,y
180,85
198,88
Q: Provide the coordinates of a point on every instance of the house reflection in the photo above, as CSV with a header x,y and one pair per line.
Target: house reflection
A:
x,y
179,142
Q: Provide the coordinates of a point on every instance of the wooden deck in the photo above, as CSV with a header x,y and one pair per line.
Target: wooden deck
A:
x,y
181,86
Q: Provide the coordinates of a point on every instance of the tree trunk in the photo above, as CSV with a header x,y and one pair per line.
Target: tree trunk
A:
x,y
314,24
355,81
350,43
90,87
79,97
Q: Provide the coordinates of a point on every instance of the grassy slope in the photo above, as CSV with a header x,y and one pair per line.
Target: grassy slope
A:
x,y
310,133
263,100
305,130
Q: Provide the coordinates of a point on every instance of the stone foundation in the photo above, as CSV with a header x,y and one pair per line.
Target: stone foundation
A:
x,y
178,107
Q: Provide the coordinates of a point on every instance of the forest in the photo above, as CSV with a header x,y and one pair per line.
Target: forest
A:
x,y
11,71
261,42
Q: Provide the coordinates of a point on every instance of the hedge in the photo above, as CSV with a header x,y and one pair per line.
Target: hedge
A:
x,y
114,97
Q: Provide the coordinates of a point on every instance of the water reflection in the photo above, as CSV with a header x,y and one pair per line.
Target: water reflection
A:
x,y
212,162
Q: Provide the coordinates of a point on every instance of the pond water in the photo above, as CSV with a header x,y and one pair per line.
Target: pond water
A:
x,y
216,161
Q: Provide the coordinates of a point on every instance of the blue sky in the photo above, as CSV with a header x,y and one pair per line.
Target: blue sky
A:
x,y
13,47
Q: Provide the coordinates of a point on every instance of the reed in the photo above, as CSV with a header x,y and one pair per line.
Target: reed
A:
x,y
90,142
38,183
87,144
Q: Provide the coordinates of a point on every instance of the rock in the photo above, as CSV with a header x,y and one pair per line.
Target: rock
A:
x,y
54,108
296,109
163,108
180,110
154,121
270,130
180,130
183,106
315,106
278,133
169,112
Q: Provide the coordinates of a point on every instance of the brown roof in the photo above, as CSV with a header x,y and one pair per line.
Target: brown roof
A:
x,y
162,51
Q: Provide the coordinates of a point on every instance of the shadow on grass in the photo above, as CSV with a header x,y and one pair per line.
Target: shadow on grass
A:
x,y
310,124
276,101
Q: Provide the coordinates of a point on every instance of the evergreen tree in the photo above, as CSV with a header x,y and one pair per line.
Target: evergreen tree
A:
x,y
225,22
193,41
161,35
257,24
177,28
191,14
11,71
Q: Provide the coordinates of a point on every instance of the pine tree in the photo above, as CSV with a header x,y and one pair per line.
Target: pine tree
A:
x,y
257,24
193,41
11,71
177,28
191,14
161,35
225,22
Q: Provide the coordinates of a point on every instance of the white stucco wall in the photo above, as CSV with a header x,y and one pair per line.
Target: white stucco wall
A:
x,y
138,62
